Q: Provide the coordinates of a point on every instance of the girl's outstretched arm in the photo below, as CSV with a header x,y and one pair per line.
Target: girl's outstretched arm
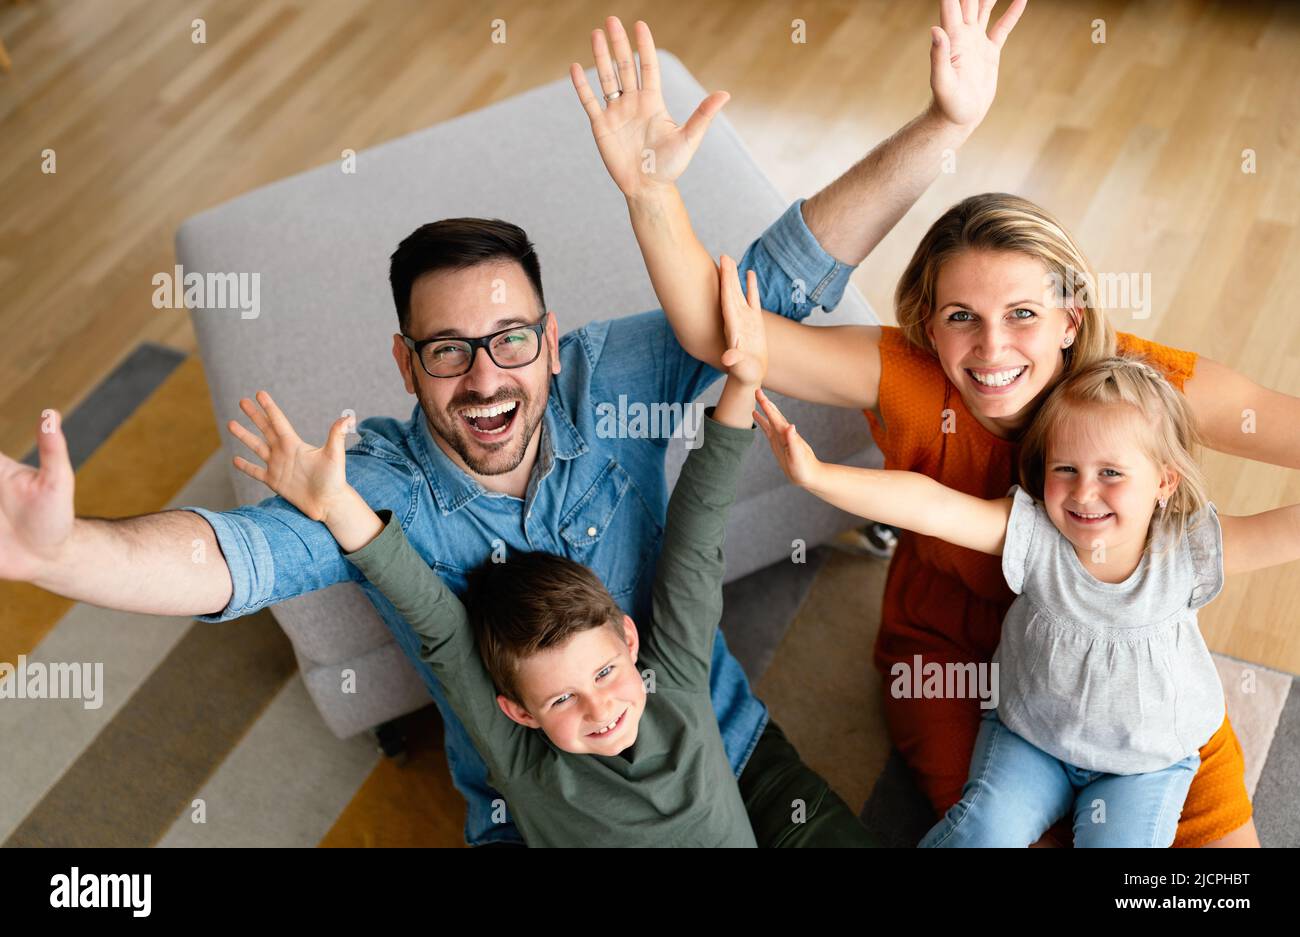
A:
x,y
904,499
1260,540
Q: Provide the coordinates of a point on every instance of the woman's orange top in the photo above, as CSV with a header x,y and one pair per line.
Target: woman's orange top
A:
x,y
943,600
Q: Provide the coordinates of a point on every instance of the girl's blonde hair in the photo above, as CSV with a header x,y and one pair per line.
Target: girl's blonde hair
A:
x,y
1168,434
996,221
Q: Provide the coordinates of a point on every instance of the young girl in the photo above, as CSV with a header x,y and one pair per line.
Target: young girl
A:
x,y
1108,689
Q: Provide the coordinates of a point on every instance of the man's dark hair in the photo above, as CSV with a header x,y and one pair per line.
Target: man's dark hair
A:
x,y
529,603
454,244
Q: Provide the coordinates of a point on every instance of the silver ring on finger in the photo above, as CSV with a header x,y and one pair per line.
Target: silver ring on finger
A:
x,y
612,95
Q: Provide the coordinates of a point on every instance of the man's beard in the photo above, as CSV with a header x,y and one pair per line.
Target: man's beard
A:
x,y
484,458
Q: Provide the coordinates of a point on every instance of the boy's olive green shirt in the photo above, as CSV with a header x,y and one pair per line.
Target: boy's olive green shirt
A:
x,y
674,786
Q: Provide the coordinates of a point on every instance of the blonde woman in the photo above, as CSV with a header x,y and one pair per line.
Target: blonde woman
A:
x,y
977,349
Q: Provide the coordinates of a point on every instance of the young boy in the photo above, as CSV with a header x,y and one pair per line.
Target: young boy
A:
x,y
612,763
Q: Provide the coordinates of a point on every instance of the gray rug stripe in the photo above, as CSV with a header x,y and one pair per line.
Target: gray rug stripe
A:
x,y
115,399
142,770
1276,799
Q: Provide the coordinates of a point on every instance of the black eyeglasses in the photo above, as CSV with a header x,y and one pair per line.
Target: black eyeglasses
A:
x,y
515,347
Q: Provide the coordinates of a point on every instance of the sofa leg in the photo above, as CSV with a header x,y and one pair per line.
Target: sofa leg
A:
x,y
391,739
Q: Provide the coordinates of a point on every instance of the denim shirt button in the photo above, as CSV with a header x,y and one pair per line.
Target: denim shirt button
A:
x,y
591,531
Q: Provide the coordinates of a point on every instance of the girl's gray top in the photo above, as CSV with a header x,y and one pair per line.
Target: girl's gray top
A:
x,y
1111,677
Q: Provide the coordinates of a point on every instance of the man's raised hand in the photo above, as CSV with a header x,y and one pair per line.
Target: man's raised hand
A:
x,y
964,59
640,144
36,512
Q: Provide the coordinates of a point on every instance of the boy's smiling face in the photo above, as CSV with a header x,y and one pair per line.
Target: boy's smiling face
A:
x,y
575,692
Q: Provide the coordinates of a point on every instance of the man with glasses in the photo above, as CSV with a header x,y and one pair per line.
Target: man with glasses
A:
x,y
502,450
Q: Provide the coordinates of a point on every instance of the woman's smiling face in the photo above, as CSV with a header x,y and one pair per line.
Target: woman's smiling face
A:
x,y
998,340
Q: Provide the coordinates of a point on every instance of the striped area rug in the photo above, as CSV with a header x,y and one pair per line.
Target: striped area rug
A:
x,y
204,735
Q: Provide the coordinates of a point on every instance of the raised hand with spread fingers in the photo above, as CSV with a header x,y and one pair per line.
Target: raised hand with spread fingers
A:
x,y
311,478
964,57
640,143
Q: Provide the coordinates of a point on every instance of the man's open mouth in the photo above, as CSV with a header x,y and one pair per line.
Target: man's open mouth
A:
x,y
490,423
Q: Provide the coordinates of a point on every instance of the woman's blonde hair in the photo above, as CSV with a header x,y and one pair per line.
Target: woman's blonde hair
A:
x,y
1168,435
996,221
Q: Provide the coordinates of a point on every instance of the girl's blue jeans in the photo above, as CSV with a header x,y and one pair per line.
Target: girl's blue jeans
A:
x,y
1016,791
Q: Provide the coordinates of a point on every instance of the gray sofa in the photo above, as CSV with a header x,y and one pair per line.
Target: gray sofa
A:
x,y
321,342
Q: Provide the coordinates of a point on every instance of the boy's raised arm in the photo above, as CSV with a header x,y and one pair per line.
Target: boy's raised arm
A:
x,y
687,595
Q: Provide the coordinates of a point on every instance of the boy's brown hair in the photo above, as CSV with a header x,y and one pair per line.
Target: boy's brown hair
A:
x,y
530,603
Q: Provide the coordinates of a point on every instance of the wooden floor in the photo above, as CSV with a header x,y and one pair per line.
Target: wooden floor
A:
x,y
1136,144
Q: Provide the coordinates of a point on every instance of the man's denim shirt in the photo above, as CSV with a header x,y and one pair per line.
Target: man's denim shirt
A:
x,y
597,500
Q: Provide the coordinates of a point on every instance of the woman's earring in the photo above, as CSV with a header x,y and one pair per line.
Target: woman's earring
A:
x,y
1163,502
1069,340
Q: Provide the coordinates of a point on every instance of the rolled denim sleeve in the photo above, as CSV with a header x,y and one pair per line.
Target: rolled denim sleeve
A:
x,y
795,274
274,553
